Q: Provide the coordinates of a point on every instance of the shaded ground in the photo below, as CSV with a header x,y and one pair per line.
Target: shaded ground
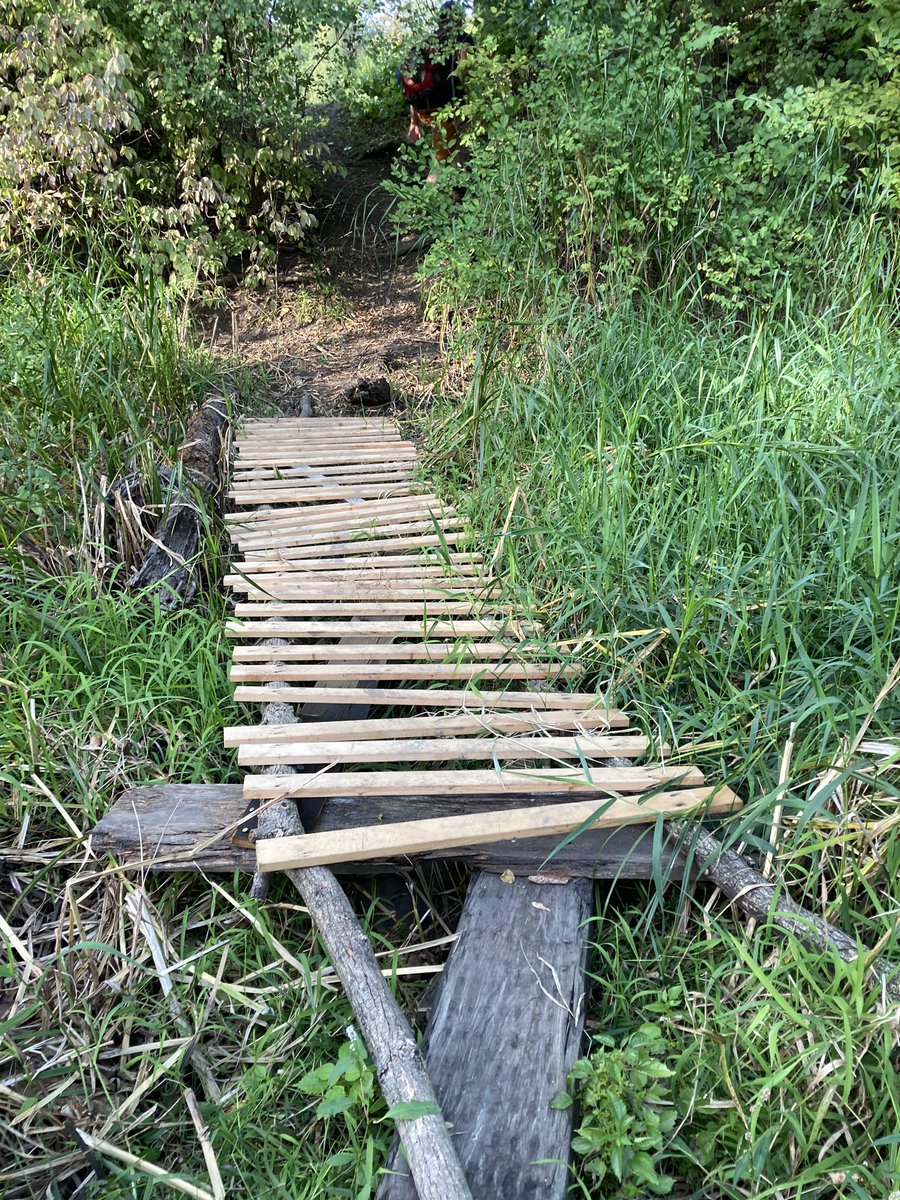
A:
x,y
346,307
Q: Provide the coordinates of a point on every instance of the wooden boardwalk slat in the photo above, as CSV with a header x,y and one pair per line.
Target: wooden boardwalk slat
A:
x,y
476,699
299,672
412,837
461,749
443,726
288,628
465,782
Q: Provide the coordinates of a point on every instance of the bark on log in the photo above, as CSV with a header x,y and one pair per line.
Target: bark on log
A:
x,y
387,1033
169,567
760,899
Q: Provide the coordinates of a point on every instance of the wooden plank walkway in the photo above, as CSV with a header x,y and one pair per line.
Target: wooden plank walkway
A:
x,y
477,750
334,522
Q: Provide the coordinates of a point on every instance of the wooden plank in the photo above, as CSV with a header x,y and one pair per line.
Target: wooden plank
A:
x,y
273,588
373,606
277,561
299,672
437,598
452,529
244,474
450,651
323,545
461,749
422,502
452,630
280,479
426,727
535,781
503,1036
473,700
391,566
392,451
187,827
412,837
298,495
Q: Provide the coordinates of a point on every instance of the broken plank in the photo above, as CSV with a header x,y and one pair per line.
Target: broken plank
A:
x,y
426,727
460,749
533,781
444,833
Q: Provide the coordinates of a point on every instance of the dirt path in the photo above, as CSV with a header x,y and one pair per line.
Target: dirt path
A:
x,y
345,308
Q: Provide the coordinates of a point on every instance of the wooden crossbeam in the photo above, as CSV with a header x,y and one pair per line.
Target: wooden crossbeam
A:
x,y
413,837
299,495
402,566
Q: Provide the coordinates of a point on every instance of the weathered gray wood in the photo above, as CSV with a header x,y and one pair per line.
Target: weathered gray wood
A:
x,y
165,824
387,1033
169,569
504,1032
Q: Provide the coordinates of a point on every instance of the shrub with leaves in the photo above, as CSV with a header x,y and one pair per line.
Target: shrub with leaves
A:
x,y
191,118
626,1111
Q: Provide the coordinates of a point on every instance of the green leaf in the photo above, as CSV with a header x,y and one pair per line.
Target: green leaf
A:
x,y
561,1101
411,1110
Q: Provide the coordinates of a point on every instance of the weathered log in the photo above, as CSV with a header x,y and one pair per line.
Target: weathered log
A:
x,y
762,900
385,1030
169,567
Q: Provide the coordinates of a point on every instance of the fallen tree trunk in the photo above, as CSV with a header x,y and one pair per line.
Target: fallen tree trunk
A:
x,y
762,900
387,1033
169,567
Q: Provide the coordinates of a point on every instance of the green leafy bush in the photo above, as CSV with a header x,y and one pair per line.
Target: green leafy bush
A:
x,y
192,119
623,146
626,1112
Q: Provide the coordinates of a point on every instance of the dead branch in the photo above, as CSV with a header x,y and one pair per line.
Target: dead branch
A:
x,y
762,900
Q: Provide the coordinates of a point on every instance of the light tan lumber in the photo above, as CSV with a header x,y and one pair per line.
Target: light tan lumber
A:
x,y
293,479
299,495
302,471
375,606
355,536
392,451
299,672
475,699
389,566
323,544
310,559
351,517
398,651
425,750
278,438
452,630
544,780
445,833
273,588
422,500
375,728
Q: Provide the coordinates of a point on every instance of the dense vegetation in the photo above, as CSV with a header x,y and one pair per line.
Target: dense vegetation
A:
x,y
669,291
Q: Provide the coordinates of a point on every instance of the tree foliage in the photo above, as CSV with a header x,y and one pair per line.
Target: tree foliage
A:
x,y
663,144
189,117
